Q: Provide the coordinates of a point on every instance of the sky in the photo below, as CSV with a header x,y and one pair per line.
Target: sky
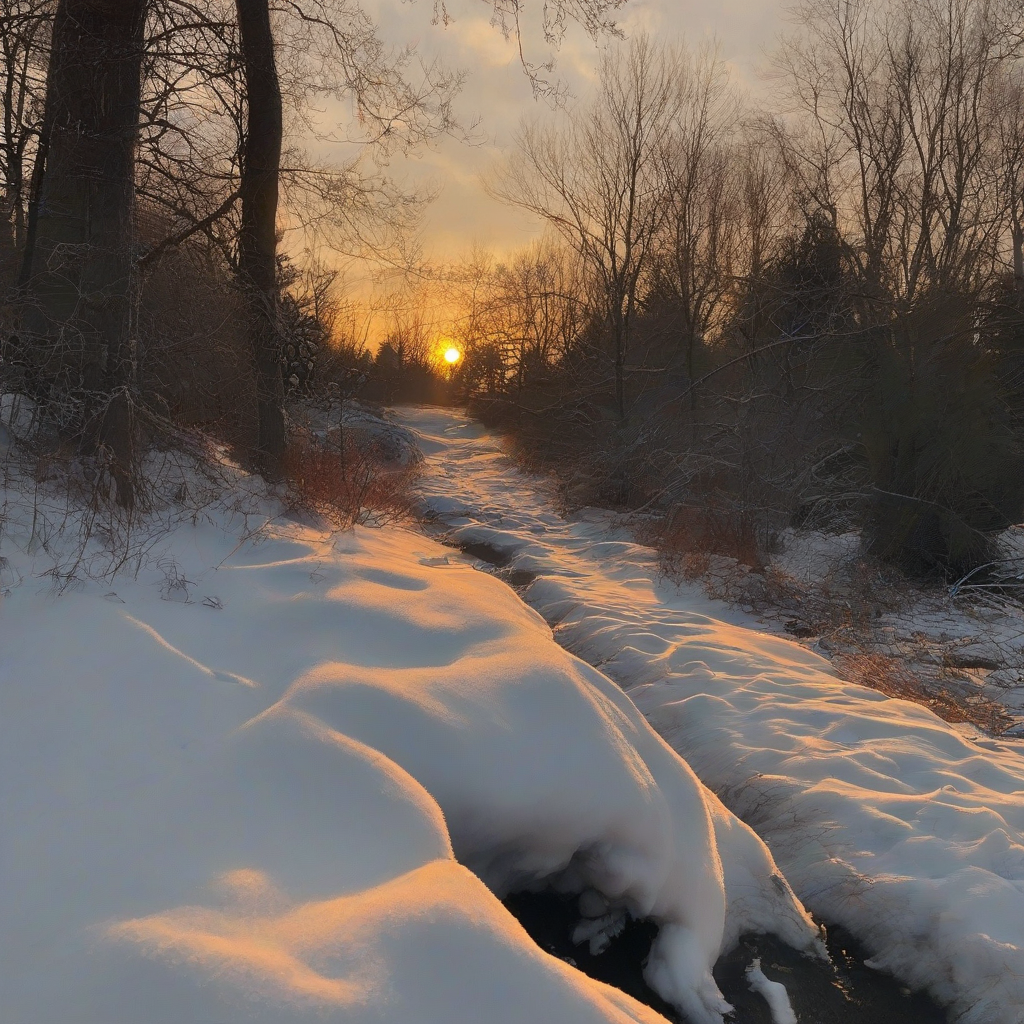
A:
x,y
497,93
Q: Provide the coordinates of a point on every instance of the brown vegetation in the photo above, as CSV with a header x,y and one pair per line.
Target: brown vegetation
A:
x,y
689,535
347,480
894,677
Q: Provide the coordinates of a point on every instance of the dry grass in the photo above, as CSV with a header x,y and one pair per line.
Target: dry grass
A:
x,y
348,481
894,677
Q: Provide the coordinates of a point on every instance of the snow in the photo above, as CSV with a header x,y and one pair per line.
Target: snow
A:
x,y
965,642
269,774
907,831
773,993
396,443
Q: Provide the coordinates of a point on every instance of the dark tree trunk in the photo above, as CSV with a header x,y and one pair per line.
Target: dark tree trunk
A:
x,y
619,325
35,186
34,189
257,246
79,258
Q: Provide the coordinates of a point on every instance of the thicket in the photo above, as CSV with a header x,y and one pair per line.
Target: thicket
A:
x,y
745,319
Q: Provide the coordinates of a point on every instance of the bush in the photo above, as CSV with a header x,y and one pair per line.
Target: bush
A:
x,y
348,479
691,533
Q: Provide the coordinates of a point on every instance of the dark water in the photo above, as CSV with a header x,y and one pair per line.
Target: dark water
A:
x,y
517,578
845,993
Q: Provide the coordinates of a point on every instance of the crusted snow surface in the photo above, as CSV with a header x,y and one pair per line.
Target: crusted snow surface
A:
x,y
279,776
885,819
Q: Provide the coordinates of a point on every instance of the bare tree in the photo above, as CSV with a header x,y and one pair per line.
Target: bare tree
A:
x,y
24,45
599,179
1007,102
533,309
766,203
896,137
699,246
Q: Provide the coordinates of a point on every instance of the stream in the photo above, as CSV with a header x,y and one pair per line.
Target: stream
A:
x,y
475,501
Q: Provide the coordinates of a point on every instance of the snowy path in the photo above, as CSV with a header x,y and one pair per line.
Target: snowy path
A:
x,y
884,818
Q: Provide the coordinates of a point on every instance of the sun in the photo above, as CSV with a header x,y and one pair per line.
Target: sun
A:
x,y
452,355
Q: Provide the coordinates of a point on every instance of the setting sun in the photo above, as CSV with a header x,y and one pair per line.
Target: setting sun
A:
x,y
452,355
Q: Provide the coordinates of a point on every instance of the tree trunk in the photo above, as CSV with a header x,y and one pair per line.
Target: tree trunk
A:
x,y
79,261
257,247
691,378
620,383
34,190
620,328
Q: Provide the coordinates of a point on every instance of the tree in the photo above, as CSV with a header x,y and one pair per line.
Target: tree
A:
x,y
79,254
24,41
699,248
257,241
600,180
898,138
530,311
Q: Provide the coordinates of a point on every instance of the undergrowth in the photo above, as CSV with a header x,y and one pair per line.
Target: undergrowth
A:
x,y
348,480
56,505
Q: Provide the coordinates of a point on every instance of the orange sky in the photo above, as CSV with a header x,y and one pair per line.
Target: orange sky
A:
x,y
498,94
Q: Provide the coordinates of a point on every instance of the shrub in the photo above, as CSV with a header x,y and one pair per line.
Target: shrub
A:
x,y
348,480
691,533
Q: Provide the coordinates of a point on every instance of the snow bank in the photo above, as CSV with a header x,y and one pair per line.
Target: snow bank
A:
x,y
394,442
884,818
234,789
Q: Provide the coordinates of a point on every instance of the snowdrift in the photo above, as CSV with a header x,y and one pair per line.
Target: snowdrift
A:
x,y
885,819
250,784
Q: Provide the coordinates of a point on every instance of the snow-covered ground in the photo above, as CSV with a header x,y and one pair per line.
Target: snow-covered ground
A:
x,y
959,648
268,774
885,819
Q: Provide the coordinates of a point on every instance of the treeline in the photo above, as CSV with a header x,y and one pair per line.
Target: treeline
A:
x,y
806,310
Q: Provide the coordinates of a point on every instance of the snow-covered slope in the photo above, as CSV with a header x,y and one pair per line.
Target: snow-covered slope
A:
x,y
234,788
884,818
